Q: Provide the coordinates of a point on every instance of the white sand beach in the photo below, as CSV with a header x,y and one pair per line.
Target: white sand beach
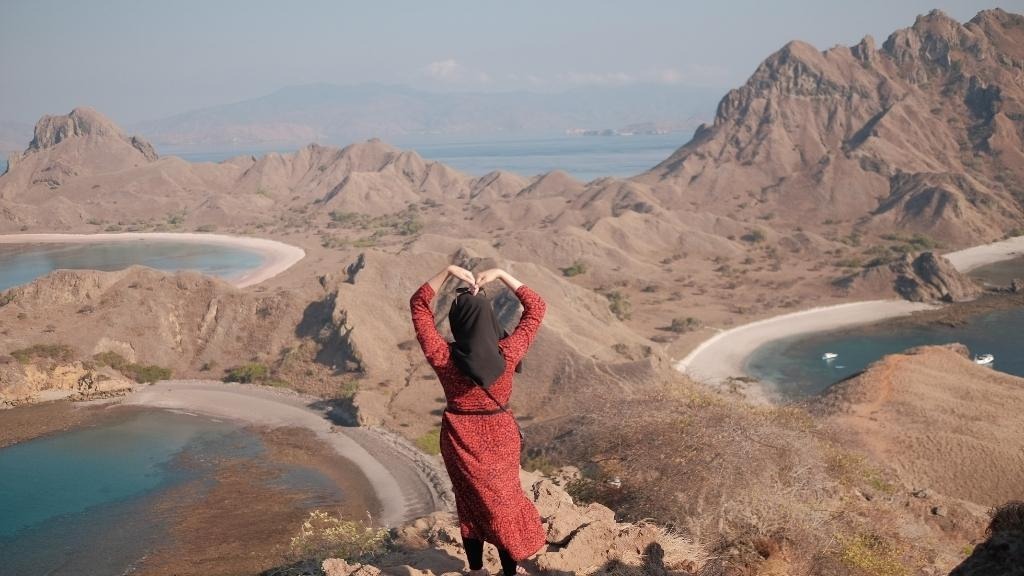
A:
x,y
724,355
277,256
977,256
407,482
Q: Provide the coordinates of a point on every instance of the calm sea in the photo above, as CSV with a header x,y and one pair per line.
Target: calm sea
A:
x,y
793,366
584,157
22,263
86,501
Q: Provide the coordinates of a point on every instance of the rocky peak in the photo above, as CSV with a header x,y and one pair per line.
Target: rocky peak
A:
x,y
865,50
932,40
83,122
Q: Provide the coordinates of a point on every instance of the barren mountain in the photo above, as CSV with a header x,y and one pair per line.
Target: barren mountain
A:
x,y
923,134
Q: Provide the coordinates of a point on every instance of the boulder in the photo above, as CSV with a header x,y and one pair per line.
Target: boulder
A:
x,y
930,277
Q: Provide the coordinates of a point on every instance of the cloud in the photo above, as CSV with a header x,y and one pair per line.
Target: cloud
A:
x,y
448,70
599,78
670,76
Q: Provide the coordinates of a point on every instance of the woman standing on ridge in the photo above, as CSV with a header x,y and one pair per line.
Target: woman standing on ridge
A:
x,y
480,440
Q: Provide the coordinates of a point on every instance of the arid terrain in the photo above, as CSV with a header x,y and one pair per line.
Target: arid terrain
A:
x,y
819,182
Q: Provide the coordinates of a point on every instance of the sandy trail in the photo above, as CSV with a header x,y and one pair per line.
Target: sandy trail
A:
x,y
407,482
277,256
725,354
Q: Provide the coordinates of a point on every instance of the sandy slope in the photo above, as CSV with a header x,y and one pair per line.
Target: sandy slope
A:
x,y
277,256
941,421
406,482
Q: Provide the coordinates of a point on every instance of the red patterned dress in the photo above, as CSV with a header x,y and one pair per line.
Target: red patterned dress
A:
x,y
481,452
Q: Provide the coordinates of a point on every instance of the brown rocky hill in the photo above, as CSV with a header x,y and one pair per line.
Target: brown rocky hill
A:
x,y
923,134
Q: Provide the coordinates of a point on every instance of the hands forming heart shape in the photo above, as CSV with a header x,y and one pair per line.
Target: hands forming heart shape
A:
x,y
475,282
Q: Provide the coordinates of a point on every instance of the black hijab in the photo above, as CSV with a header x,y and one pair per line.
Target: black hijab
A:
x,y
477,331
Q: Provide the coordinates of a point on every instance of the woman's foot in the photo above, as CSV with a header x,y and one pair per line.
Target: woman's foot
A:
x,y
521,570
480,572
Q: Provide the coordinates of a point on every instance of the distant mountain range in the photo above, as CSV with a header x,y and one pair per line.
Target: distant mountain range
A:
x,y
328,113
923,135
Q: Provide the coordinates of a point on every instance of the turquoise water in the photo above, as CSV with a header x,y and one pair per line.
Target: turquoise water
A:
x,y
83,501
584,157
793,366
22,263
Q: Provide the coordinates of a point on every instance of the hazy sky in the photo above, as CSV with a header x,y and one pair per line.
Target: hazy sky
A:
x,y
136,60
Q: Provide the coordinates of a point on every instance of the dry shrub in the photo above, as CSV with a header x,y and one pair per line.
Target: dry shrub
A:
x,y
324,536
872,554
1007,518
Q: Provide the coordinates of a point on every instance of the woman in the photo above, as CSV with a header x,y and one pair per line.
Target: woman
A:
x,y
480,440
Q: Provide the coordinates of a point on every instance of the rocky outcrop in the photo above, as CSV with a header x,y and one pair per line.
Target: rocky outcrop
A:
x,y
926,277
82,122
26,384
929,278
1002,552
581,540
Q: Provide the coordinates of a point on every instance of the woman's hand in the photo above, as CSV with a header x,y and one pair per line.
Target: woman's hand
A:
x,y
453,270
464,275
497,274
488,276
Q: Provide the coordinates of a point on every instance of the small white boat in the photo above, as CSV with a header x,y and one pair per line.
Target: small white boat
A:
x,y
984,359
829,356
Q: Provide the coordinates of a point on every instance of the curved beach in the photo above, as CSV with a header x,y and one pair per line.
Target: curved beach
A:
x,y
725,354
277,256
407,482
970,258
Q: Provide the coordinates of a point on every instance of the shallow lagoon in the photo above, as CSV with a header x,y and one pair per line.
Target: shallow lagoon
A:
x,y
22,263
92,500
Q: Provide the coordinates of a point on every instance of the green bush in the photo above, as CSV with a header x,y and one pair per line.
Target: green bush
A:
x,y
578,267
680,325
145,374
58,352
248,373
754,236
619,304
430,442
141,373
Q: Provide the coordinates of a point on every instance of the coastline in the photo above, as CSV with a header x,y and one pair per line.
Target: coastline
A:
x,y
724,355
970,258
406,482
277,256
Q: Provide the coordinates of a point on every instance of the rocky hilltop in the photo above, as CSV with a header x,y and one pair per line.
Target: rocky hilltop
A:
x,y
923,134
581,539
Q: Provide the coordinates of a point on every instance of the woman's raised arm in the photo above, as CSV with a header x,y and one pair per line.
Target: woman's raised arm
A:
x,y
534,308
434,346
